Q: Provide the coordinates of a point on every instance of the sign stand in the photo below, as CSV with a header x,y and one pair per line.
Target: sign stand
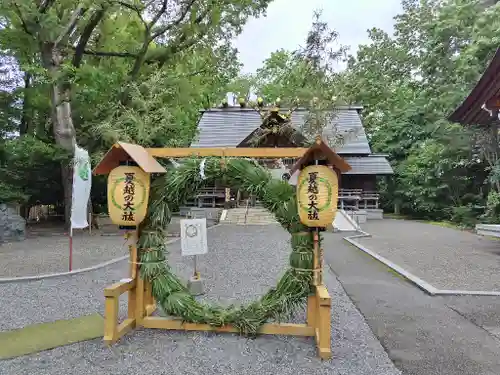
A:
x,y
194,243
196,273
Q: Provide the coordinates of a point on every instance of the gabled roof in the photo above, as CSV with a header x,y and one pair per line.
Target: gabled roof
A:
x,y
227,127
321,150
470,112
122,151
371,164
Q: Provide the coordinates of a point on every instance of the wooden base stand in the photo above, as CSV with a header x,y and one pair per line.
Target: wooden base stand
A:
x,y
141,305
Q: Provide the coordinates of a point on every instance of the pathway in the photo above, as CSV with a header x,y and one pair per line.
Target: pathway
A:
x,y
423,335
446,258
50,254
46,250
243,262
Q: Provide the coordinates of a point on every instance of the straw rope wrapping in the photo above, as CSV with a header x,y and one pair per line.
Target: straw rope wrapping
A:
x,y
182,183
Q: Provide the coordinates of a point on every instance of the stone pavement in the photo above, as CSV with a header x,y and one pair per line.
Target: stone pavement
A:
x,y
446,258
423,335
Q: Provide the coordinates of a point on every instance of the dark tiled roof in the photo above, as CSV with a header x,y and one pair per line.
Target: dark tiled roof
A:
x,y
227,127
372,164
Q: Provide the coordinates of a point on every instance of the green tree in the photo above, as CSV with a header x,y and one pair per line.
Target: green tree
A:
x,y
306,78
409,83
70,46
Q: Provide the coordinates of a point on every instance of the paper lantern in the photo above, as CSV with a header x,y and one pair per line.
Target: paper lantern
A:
x,y
128,193
317,194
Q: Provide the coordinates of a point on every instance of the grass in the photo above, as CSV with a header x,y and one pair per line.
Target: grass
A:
x,y
444,224
396,216
38,337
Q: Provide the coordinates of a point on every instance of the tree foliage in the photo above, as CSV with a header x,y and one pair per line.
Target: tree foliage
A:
x,y
409,83
92,72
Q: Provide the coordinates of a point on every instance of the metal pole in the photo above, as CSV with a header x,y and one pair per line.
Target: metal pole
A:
x,y
70,265
196,275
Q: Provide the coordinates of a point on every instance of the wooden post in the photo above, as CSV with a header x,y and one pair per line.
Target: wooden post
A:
x,y
139,301
132,239
317,277
110,320
149,301
131,307
323,330
312,311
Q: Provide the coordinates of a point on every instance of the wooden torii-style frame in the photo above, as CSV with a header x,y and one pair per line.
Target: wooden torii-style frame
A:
x,y
141,303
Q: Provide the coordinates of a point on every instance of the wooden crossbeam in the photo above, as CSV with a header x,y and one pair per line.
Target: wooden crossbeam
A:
x,y
267,329
264,152
117,289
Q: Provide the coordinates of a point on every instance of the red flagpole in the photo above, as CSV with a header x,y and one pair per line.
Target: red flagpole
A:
x,y
71,248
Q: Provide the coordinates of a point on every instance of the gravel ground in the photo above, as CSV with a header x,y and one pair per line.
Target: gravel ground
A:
x,y
48,252
243,262
422,335
65,297
444,257
41,255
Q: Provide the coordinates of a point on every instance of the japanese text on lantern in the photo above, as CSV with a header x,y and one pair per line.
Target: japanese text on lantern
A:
x,y
128,197
312,194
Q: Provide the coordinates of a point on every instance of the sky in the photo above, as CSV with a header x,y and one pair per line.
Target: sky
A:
x,y
288,21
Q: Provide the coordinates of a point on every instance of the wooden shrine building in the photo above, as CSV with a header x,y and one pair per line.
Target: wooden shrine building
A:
x,y
482,105
237,126
481,108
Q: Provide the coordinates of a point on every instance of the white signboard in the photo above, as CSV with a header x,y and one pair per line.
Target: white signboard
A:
x,y
194,237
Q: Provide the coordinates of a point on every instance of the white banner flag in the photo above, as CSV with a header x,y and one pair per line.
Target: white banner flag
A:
x,y
82,182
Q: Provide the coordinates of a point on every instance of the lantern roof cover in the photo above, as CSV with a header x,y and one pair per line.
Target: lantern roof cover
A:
x,y
121,152
320,151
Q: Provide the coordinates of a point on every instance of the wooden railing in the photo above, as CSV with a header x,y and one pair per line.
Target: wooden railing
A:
x,y
211,192
355,199
349,199
246,209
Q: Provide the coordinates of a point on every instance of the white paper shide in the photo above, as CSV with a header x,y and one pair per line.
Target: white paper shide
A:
x,y
194,237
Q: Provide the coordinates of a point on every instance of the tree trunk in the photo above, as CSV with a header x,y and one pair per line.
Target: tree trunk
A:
x,y
93,223
25,125
62,123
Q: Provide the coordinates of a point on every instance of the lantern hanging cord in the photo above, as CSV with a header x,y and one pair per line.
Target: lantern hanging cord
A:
x,y
157,262
307,269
